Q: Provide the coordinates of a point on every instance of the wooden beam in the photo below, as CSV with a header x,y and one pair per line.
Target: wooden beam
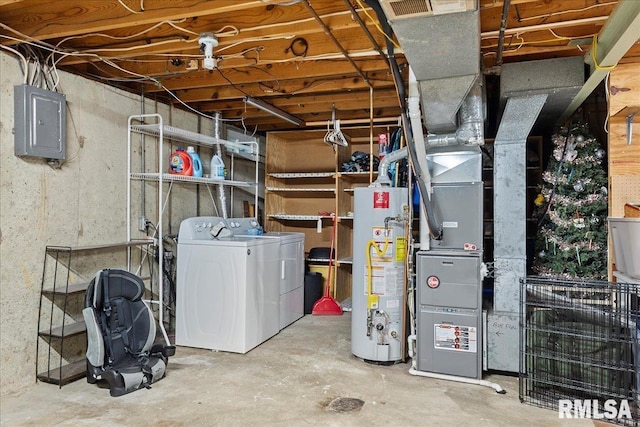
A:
x,y
488,4
270,76
356,102
621,31
290,87
62,18
545,27
325,116
273,47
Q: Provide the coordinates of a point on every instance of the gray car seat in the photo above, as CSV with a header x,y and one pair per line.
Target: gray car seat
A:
x,y
121,331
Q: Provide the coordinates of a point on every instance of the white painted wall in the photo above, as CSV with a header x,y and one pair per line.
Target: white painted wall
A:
x,y
82,203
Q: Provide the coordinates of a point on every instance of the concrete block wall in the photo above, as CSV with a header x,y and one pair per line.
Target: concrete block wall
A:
x,y
81,203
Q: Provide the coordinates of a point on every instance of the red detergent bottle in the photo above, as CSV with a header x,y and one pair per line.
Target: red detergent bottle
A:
x,y
180,163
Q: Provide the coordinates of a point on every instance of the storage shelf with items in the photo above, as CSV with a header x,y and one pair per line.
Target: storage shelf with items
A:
x,y
534,159
67,271
150,144
307,182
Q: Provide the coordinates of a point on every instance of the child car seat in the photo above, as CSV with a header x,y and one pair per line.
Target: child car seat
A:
x,y
121,330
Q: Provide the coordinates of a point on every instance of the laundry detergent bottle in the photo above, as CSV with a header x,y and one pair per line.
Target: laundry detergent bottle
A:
x,y
180,163
217,167
195,161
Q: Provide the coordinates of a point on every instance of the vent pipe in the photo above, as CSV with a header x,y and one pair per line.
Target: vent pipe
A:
x,y
471,117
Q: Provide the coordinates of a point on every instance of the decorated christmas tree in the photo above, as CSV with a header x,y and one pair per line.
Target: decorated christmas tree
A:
x,y
572,208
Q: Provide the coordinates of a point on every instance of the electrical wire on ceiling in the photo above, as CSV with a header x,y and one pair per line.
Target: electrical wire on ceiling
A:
x,y
107,61
131,10
136,77
131,36
557,37
506,50
523,42
256,39
550,14
281,3
377,25
97,54
25,64
223,32
136,47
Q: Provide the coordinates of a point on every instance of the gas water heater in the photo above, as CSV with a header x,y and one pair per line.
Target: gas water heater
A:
x,y
379,256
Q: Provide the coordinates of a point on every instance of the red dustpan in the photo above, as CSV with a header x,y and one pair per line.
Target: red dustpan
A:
x,y
326,305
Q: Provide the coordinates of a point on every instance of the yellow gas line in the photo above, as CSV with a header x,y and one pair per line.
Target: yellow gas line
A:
x,y
372,299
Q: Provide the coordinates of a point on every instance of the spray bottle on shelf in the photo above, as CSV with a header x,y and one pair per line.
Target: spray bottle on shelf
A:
x,y
197,164
217,167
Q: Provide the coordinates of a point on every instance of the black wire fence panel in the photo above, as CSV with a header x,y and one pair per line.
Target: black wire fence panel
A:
x,y
579,348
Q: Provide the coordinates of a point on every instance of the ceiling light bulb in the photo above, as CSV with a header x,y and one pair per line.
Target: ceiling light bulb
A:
x,y
207,42
209,63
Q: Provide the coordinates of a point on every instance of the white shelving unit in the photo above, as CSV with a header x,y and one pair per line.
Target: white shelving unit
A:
x,y
152,125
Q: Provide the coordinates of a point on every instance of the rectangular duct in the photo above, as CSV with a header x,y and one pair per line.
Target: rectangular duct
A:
x,y
559,78
398,9
443,51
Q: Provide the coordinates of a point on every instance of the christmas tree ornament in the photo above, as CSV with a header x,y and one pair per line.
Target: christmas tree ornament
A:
x,y
539,200
542,254
580,138
557,153
578,221
594,219
578,186
571,153
600,153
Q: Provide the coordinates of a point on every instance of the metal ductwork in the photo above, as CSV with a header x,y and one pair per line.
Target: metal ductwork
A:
x,y
446,63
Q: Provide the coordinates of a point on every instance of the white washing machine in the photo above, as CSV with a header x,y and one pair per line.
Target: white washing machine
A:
x,y
291,267
228,294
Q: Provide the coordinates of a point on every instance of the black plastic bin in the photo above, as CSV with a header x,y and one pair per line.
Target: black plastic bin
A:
x,y
312,290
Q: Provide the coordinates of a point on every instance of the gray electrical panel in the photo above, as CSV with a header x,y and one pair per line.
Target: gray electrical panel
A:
x,y
40,122
449,313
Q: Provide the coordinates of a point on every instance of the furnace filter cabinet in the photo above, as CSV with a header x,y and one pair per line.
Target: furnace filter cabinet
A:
x,y
379,255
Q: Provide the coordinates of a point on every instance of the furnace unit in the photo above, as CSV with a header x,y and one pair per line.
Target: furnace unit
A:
x,y
449,275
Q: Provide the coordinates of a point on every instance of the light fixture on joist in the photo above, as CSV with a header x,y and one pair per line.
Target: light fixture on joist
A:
x,y
273,110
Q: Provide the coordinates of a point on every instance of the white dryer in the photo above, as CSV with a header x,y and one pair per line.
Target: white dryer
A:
x,y
291,255
291,275
228,294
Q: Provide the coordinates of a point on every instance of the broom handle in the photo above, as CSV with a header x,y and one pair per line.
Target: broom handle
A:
x,y
333,235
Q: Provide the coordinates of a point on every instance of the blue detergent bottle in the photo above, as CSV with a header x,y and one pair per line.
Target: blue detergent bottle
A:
x,y
197,164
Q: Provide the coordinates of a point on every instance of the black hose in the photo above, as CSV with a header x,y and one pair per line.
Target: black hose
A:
x,y
435,230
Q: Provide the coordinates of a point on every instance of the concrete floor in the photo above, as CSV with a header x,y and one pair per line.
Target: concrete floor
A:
x,y
289,380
